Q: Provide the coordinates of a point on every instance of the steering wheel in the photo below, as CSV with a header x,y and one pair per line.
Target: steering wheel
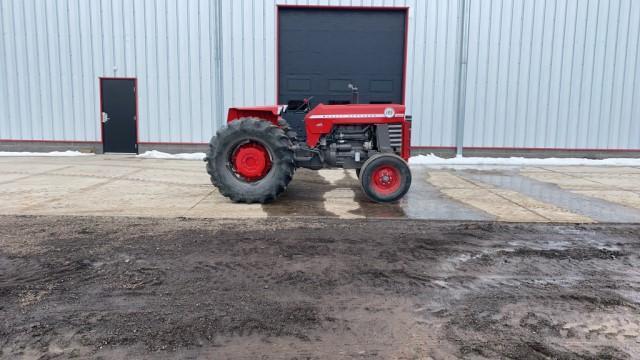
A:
x,y
305,106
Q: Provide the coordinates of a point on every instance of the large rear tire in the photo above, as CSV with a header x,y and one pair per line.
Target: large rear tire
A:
x,y
211,170
385,177
250,160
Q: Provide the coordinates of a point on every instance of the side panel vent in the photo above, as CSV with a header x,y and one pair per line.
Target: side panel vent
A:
x,y
395,137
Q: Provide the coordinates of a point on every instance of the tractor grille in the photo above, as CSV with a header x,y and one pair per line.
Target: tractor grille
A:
x,y
395,136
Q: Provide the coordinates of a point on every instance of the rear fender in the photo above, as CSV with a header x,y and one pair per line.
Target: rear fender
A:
x,y
269,113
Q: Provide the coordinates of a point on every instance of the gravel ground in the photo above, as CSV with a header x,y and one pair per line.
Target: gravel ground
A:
x,y
316,288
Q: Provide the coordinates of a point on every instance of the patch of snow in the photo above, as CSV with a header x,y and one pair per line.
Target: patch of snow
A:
x,y
52,153
433,160
154,154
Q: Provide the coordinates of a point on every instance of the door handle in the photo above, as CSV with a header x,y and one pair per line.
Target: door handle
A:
x,y
105,117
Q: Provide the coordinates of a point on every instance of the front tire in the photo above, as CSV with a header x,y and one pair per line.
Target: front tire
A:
x,y
385,178
250,160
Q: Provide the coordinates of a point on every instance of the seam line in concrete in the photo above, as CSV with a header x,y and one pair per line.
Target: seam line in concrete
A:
x,y
122,177
81,190
423,190
573,175
494,191
575,201
197,203
30,175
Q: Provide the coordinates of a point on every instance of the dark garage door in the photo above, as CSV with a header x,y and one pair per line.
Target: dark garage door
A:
x,y
321,51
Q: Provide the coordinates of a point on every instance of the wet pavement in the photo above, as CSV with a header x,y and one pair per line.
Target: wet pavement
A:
x,y
128,186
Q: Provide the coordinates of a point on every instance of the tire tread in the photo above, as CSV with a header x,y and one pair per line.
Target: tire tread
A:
x,y
283,162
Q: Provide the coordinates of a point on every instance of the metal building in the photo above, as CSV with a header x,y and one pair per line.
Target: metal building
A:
x,y
478,75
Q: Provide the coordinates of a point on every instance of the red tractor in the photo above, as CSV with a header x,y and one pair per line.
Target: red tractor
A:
x,y
254,157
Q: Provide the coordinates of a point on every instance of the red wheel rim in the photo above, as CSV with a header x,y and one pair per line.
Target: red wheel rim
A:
x,y
385,180
251,161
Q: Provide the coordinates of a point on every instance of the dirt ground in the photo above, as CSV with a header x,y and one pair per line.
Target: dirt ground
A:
x,y
316,289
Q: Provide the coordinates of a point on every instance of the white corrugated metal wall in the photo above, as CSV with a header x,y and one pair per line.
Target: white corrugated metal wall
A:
x,y
553,74
249,70
52,53
539,73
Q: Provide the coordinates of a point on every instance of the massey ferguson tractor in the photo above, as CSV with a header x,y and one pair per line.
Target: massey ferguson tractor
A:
x,y
253,158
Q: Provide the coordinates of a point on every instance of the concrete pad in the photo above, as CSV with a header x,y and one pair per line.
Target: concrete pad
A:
x,y
337,176
128,198
546,210
624,181
103,171
214,205
50,160
178,165
593,208
341,203
306,194
501,208
594,169
446,180
7,159
565,181
506,205
25,167
33,191
171,177
426,201
340,199
130,186
8,177
623,197
531,169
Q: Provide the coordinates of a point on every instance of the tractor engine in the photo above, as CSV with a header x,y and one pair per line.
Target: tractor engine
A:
x,y
347,146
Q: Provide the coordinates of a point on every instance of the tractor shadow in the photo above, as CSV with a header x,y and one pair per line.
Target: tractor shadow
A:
x,y
367,207
332,193
304,196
